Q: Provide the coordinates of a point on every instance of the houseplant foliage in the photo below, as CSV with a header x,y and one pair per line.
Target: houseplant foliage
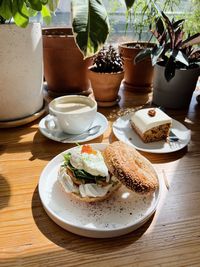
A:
x,y
177,63
91,24
107,60
172,49
106,75
192,21
21,10
142,14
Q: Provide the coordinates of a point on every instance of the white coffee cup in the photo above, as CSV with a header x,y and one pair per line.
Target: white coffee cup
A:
x,y
72,114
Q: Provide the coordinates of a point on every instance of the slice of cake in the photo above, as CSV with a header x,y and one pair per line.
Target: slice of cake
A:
x,y
151,124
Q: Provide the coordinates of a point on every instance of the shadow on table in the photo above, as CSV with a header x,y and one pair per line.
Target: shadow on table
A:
x,y
10,139
4,192
69,241
45,149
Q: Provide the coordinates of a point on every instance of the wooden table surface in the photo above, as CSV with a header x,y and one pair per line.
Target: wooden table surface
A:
x,y
28,237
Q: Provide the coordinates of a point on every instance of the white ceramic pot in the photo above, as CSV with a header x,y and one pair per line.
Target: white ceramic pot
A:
x,y
21,71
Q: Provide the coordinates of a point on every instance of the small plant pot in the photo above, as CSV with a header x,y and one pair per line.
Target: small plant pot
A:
x,y
105,86
137,77
176,93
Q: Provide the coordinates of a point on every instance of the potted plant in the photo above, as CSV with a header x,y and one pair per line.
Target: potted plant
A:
x,y
65,68
137,77
106,75
21,65
65,63
177,63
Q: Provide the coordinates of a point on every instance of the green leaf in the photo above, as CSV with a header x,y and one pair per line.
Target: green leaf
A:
x,y
67,158
35,4
129,3
31,12
44,2
46,14
6,9
90,25
52,4
142,55
19,13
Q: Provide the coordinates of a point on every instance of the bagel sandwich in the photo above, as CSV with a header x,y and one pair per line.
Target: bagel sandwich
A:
x,y
130,168
85,175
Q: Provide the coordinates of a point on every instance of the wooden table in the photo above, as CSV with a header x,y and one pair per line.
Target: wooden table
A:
x,y
28,237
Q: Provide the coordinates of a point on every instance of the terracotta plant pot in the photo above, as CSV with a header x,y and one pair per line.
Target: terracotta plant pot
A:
x,y
176,93
105,86
137,77
65,70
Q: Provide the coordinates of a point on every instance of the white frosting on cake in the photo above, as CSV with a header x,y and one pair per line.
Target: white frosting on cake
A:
x,y
144,122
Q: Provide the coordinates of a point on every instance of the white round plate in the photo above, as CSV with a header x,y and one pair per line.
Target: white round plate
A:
x,y
122,213
124,132
59,136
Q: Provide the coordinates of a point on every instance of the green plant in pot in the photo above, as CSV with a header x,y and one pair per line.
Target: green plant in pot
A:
x,y
139,77
91,28
177,63
21,59
106,75
65,65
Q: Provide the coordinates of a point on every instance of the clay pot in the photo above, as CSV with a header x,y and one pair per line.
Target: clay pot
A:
x,y
137,77
65,70
105,86
176,93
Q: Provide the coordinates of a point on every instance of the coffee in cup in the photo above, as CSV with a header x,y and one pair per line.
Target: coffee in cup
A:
x,y
72,114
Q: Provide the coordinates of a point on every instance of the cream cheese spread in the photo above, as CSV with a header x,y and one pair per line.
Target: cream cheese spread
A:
x,y
144,122
85,190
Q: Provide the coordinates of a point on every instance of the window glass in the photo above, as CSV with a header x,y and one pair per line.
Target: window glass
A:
x,y
136,25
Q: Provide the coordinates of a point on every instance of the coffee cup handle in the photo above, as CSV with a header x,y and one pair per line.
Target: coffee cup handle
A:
x,y
52,127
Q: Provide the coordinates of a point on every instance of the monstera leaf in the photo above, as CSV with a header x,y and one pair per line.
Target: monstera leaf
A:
x,y
90,25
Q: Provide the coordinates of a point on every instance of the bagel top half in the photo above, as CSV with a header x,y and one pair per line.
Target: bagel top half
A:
x,y
130,167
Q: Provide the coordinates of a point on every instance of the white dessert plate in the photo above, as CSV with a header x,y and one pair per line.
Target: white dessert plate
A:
x,y
122,213
124,132
59,136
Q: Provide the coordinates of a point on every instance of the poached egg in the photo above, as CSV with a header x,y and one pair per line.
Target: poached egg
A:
x,y
89,160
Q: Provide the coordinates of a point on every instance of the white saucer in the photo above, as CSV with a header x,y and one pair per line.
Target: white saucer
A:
x,y
58,136
122,213
124,132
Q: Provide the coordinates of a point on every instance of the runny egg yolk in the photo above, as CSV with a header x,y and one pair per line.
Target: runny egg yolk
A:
x,y
88,149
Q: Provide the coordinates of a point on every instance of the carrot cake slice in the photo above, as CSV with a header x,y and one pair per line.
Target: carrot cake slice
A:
x,y
151,124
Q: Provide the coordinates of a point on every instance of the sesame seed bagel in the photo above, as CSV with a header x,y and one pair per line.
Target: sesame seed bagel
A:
x,y
130,167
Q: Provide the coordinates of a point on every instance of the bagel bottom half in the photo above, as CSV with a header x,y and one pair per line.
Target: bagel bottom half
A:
x,y
130,167
63,173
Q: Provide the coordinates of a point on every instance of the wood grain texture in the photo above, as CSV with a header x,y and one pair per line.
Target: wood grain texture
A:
x,y
28,237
